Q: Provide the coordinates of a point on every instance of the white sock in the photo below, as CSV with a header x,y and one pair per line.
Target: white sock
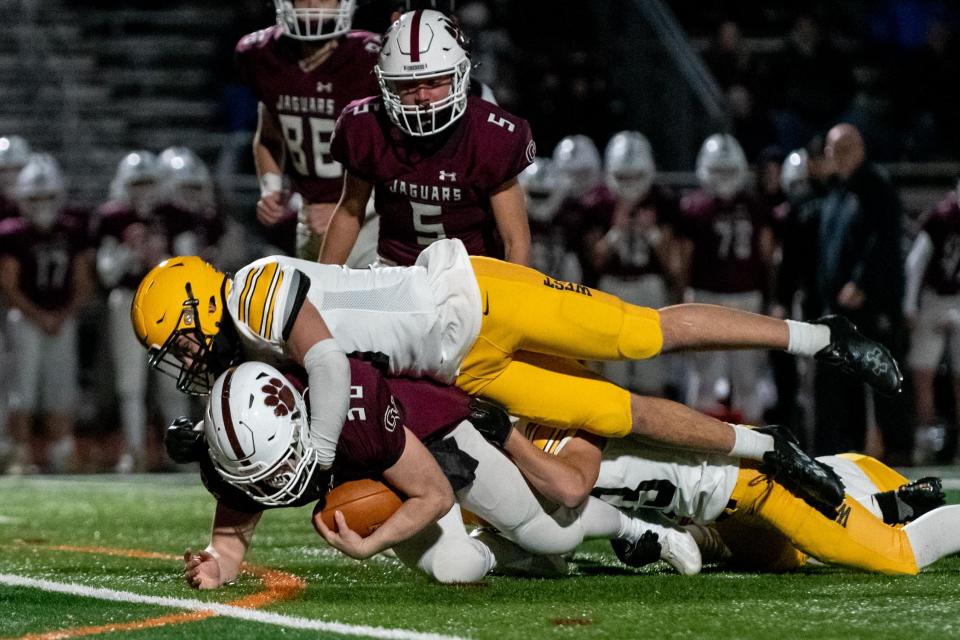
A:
x,y
749,444
807,339
602,520
934,535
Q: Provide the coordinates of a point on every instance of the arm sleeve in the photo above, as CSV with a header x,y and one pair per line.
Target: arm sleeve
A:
x,y
917,261
328,372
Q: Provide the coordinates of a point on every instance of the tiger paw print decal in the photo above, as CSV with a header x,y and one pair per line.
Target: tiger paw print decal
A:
x,y
279,396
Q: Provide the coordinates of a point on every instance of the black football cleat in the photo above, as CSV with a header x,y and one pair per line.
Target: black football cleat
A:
x,y
812,481
910,501
858,355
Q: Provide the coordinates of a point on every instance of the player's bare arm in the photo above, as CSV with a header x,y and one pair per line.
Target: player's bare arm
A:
x,y
268,157
428,497
347,219
510,213
312,345
220,562
566,478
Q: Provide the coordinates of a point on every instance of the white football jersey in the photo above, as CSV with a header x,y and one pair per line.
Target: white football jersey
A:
x,y
425,317
683,484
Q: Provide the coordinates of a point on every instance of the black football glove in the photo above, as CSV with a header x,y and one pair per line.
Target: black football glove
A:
x,y
858,355
491,420
184,444
814,482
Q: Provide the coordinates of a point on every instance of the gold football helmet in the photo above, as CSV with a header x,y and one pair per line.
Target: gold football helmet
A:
x,y
177,313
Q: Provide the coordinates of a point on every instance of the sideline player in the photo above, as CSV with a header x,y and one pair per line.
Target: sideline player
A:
x,y
440,162
304,70
45,276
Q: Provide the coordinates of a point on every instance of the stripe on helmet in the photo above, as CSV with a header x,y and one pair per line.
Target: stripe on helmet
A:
x,y
228,417
415,36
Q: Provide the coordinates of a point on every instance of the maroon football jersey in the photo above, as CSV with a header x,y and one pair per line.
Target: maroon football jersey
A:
x,y
435,187
635,256
942,224
307,103
46,258
582,220
726,238
8,208
164,224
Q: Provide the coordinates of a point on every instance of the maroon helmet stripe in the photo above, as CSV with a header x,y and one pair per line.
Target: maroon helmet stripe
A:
x,y
415,36
228,418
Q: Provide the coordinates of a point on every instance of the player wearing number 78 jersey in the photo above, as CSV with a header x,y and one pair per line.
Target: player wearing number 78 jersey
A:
x,y
304,70
441,163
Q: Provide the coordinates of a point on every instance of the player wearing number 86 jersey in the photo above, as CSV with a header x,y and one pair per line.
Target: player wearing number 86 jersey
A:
x,y
302,84
441,164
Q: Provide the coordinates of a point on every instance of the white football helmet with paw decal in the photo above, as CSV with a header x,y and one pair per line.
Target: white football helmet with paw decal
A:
x,y
40,190
423,46
629,166
256,427
722,165
135,181
577,163
321,21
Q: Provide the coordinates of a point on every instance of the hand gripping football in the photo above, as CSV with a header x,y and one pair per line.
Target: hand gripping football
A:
x,y
365,504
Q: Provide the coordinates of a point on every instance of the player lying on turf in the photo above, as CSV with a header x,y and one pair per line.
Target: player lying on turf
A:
x,y
253,454
496,330
713,488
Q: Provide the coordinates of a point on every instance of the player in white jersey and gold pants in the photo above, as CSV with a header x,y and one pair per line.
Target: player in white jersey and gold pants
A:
x,y
494,329
748,505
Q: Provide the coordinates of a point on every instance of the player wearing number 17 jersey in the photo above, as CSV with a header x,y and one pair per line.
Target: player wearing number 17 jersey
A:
x,y
441,163
304,70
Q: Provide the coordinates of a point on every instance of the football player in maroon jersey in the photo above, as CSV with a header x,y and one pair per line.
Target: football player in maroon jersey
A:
x,y
635,256
44,276
727,244
932,304
440,162
249,470
304,70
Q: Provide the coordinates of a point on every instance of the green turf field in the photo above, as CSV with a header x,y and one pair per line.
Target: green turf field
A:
x,y
82,531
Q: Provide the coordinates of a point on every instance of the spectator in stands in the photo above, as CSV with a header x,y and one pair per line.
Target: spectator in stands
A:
x,y
729,59
44,276
810,85
860,274
932,308
727,245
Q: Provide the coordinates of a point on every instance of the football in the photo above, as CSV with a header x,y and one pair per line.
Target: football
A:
x,y
365,504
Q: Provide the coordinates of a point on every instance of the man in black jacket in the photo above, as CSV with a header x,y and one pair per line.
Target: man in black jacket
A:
x,y
860,275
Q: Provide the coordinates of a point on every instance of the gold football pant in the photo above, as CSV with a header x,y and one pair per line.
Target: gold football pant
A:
x,y
769,528
535,329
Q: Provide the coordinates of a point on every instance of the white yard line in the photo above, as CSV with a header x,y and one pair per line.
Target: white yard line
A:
x,y
224,610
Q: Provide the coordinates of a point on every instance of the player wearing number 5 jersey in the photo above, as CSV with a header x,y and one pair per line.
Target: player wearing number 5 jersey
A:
x,y
441,163
304,70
